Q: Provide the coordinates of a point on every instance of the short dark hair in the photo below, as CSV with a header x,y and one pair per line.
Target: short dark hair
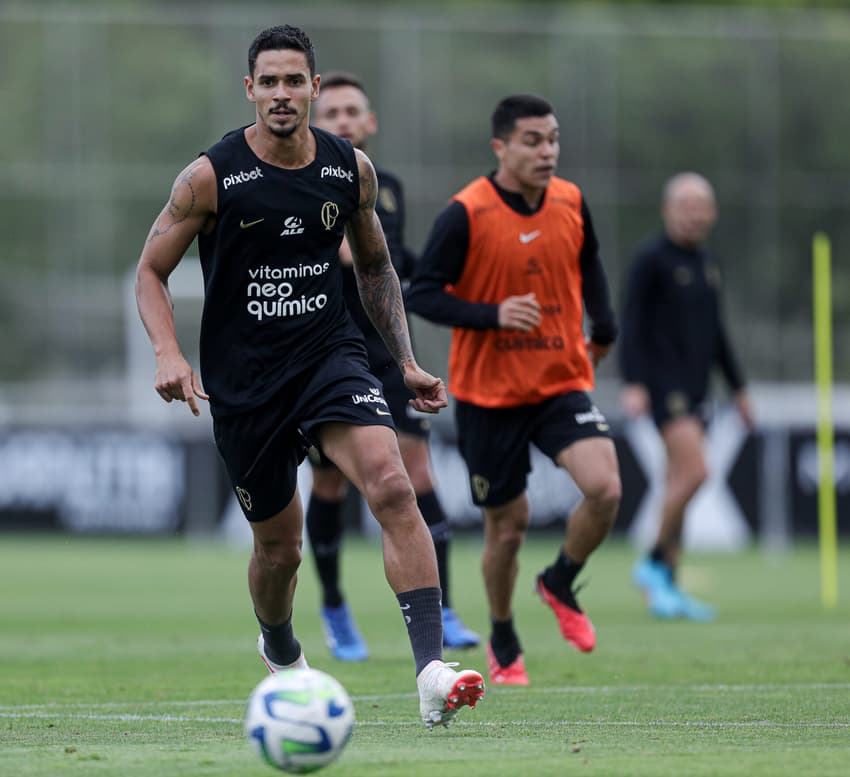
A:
x,y
337,78
517,106
281,37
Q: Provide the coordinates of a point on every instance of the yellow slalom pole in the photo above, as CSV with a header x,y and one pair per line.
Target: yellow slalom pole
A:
x,y
821,259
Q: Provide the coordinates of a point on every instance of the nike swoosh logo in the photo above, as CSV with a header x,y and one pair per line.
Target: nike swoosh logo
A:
x,y
527,238
245,224
382,412
405,606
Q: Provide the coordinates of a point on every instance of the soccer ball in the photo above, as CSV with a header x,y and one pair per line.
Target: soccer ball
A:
x,y
299,720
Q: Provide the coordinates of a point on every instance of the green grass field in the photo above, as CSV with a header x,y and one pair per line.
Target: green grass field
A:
x,y
134,658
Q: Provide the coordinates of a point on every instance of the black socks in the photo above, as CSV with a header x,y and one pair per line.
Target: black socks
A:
x,y
423,615
441,533
504,642
324,528
280,644
560,577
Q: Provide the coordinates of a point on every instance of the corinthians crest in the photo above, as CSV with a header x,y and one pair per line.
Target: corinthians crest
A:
x,y
330,213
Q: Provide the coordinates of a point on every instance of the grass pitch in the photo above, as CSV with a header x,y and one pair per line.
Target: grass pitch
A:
x,y
134,658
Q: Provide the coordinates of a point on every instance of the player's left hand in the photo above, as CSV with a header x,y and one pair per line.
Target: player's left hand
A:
x,y
430,391
597,352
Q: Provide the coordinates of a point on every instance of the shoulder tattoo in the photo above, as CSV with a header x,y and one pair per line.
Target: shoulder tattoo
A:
x,y
181,204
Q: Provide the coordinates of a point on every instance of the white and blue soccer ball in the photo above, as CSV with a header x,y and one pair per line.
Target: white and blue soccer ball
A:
x,y
299,720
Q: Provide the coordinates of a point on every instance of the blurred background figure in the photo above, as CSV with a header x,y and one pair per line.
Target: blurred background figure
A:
x,y
672,335
343,108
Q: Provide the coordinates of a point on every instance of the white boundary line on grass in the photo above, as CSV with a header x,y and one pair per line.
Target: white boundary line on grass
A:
x,y
708,724
66,710
565,689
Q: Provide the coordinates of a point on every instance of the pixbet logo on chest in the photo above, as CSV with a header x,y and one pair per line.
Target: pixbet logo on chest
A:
x,y
236,178
337,172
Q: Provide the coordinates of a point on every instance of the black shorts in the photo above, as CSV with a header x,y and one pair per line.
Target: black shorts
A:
x,y
667,404
263,447
494,442
407,420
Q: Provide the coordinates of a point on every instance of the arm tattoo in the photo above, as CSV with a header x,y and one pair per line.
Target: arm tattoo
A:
x,y
180,206
377,282
380,293
368,187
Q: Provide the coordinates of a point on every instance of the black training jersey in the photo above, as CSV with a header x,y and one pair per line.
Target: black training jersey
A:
x,y
390,209
673,330
273,304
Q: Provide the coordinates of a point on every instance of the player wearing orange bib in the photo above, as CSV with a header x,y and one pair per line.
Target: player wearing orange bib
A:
x,y
512,264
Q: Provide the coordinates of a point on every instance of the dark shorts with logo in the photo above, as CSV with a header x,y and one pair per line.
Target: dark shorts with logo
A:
x,y
263,447
669,403
407,420
494,442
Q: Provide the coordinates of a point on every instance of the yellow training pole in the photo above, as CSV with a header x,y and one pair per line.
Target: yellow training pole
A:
x,y
823,378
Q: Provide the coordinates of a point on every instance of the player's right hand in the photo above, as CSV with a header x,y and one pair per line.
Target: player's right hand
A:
x,y
175,379
521,312
430,391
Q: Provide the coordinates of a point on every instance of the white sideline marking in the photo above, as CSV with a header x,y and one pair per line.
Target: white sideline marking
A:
x,y
67,711
115,716
565,689
714,724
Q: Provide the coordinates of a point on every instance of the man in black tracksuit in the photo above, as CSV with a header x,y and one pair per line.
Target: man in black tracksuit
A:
x,y
673,335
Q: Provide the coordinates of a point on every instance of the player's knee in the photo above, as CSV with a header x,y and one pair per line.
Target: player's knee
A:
x,y
418,465
390,491
507,527
279,556
510,538
700,475
692,478
605,494
420,479
330,485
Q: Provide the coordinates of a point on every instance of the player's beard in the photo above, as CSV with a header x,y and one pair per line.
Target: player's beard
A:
x,y
284,132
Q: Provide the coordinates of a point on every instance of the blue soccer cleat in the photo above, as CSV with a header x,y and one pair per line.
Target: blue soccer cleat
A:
x,y
455,634
663,598
655,580
695,610
341,635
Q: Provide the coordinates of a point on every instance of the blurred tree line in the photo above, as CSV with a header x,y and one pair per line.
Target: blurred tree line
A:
x,y
106,102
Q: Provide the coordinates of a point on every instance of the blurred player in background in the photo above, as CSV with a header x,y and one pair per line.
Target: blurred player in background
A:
x,y
512,264
672,335
283,363
343,108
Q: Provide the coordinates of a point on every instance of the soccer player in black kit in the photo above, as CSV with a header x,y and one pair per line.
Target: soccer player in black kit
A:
x,y
673,335
343,108
282,362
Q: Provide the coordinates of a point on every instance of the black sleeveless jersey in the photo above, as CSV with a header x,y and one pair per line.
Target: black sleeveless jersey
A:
x,y
390,209
273,302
